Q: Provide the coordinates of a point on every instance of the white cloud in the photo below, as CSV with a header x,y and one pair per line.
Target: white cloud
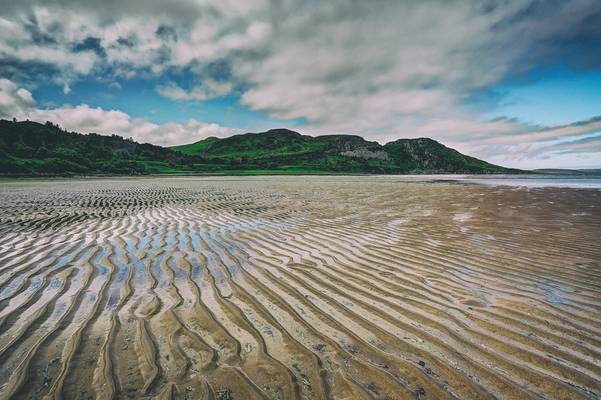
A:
x,y
14,101
550,160
19,103
208,89
84,119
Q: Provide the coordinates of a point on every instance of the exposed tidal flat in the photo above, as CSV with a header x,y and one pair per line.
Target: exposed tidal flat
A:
x,y
299,287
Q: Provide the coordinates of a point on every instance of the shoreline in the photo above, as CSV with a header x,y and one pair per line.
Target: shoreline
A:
x,y
499,180
25,176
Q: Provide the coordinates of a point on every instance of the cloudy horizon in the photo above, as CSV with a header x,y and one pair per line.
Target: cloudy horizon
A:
x,y
515,82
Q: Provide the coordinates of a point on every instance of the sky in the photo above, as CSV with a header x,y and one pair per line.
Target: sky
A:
x,y
514,82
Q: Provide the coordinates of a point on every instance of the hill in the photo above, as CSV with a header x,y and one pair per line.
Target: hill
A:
x,y
284,150
31,148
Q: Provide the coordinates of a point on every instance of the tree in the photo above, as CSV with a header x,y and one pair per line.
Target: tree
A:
x,y
23,151
42,152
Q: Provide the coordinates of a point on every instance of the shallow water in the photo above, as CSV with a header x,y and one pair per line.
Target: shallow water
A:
x,y
300,287
526,180
576,181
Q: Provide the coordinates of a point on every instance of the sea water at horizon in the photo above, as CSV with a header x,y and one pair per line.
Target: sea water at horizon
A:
x,y
536,180
589,181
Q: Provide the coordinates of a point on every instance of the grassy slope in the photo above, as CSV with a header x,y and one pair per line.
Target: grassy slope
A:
x,y
33,148
427,154
283,150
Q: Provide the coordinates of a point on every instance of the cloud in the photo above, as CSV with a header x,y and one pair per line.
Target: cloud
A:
x,y
29,42
84,118
590,144
19,103
128,38
573,145
393,68
354,55
207,90
550,133
14,101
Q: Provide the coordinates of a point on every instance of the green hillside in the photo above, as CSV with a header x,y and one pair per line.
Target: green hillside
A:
x,y
281,150
31,148
425,154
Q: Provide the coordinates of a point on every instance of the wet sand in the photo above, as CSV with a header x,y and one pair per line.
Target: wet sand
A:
x,y
298,287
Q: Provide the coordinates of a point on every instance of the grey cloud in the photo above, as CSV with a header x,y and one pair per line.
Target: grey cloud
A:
x,y
167,33
573,145
574,129
591,144
89,44
109,9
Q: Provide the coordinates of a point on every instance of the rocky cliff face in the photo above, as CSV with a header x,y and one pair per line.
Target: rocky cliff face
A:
x,y
366,153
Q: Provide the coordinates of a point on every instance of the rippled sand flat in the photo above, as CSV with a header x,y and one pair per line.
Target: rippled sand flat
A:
x,y
298,287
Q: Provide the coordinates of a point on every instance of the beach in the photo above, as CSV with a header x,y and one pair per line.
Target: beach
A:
x,y
306,287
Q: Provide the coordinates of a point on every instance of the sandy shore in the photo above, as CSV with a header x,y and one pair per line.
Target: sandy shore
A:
x,y
298,287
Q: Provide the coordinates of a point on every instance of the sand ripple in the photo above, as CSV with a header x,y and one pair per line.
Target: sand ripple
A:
x,y
292,287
